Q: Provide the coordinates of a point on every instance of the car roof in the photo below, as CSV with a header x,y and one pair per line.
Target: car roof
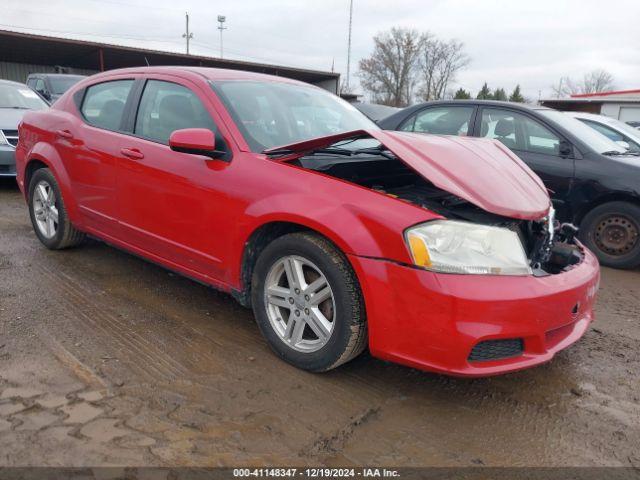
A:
x,y
11,82
207,73
491,103
595,116
65,75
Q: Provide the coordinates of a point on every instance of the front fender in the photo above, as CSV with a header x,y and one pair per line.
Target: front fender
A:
x,y
368,232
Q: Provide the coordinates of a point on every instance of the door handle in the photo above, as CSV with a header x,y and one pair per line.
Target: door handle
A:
x,y
132,153
64,133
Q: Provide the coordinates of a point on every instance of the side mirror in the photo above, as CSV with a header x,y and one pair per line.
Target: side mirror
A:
x,y
565,149
624,144
196,141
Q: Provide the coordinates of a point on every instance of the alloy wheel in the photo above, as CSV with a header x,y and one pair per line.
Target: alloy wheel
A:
x,y
300,303
45,209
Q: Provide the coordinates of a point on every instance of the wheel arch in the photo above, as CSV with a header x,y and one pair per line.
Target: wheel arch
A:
x,y
261,237
603,199
43,155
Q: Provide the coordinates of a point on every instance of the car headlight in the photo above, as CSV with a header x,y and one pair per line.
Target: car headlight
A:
x,y
452,246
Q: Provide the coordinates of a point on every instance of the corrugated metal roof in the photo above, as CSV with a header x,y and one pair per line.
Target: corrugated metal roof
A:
x,y
27,48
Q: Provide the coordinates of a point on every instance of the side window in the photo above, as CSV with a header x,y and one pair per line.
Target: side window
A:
x,y
440,120
39,85
166,107
518,132
31,82
103,104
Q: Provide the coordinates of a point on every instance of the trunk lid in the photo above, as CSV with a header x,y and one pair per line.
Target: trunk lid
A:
x,y
481,171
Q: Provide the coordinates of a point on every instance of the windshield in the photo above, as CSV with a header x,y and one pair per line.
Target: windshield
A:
x,y
628,130
59,85
19,96
271,114
586,134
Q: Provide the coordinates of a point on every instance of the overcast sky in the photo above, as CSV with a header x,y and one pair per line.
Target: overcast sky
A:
x,y
532,43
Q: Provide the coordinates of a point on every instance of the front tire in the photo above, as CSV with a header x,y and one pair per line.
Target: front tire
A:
x,y
307,302
612,232
48,213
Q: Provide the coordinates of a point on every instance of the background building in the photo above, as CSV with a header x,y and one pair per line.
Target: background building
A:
x,y
623,105
25,53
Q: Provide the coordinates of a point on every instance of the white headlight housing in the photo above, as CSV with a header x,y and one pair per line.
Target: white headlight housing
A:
x,y
3,139
451,246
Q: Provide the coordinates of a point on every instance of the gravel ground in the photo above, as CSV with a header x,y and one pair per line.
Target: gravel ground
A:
x,y
106,359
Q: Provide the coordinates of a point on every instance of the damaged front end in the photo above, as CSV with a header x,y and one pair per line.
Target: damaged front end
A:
x,y
496,214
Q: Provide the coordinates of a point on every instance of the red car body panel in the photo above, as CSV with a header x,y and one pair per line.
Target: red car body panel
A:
x,y
432,321
195,215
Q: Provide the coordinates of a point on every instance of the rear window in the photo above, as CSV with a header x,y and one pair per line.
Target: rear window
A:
x,y
104,103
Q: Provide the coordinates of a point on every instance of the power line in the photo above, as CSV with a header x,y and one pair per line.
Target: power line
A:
x,y
67,32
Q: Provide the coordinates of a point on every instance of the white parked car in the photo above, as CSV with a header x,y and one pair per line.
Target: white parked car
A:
x,y
620,132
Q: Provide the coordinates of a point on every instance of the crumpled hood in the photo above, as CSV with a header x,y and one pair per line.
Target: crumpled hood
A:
x,y
481,171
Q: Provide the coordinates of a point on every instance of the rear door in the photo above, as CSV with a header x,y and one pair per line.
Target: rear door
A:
x,y
169,205
536,144
91,147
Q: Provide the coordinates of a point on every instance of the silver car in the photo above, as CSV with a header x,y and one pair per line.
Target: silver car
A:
x,y
621,133
15,99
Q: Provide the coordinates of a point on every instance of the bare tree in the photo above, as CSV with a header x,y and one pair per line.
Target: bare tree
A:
x,y
593,82
597,81
439,63
390,73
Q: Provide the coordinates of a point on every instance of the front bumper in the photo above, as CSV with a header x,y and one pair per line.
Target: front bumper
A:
x,y
432,321
7,161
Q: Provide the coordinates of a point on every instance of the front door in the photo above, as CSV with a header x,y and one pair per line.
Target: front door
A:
x,y
168,202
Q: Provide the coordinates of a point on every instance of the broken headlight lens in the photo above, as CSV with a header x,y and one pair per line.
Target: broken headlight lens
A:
x,y
450,246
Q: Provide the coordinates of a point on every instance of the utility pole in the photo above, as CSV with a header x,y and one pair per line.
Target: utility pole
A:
x,y
221,27
349,45
187,35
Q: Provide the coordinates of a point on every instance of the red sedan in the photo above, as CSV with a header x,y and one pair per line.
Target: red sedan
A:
x,y
441,253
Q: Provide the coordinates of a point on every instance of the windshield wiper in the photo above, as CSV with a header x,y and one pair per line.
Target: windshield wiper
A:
x,y
335,151
350,153
612,153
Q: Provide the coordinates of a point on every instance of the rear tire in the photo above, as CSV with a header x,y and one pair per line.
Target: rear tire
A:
x,y
327,309
612,232
48,213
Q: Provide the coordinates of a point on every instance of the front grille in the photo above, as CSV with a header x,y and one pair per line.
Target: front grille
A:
x,y
7,170
11,136
496,350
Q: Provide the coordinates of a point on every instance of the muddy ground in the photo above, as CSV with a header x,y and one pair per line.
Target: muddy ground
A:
x,y
109,360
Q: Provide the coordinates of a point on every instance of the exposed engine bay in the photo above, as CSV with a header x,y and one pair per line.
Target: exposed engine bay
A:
x,y
550,250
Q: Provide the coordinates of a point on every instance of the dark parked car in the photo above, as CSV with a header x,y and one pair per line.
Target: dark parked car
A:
x,y
15,99
594,182
52,85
